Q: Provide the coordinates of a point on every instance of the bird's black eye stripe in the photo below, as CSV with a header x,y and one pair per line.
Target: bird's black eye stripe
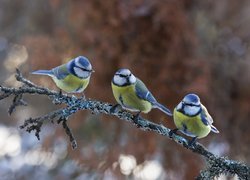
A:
x,y
87,70
122,75
190,104
84,69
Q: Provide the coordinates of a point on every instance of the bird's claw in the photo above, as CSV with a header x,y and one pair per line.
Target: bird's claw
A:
x,y
114,108
192,142
172,131
136,120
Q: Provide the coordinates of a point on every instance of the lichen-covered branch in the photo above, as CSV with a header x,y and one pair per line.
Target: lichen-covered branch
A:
x,y
216,165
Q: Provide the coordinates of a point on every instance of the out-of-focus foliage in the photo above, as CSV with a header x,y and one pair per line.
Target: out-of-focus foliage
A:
x,y
175,47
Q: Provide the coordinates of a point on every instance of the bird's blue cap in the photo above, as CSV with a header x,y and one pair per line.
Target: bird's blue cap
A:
x,y
123,71
83,62
191,99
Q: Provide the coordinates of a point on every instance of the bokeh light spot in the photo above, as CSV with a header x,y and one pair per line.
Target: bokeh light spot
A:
x,y
127,163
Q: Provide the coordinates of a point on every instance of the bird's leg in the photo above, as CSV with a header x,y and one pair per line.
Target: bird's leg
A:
x,y
60,92
192,141
136,119
114,108
58,97
83,96
171,132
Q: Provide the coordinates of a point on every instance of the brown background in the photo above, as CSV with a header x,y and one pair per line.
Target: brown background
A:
x,y
175,47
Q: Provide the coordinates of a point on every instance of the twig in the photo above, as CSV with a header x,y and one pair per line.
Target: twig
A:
x,y
70,134
17,101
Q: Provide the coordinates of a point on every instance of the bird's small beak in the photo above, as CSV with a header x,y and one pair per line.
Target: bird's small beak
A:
x,y
92,70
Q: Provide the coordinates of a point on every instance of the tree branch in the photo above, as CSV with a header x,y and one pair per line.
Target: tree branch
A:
x,y
216,165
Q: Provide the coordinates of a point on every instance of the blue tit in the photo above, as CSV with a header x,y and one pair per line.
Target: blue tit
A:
x,y
192,118
132,94
72,77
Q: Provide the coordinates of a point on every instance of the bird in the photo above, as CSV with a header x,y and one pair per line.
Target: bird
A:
x,y
192,118
132,94
71,77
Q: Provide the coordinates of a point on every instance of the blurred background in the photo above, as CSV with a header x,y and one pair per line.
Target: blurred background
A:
x,y
175,47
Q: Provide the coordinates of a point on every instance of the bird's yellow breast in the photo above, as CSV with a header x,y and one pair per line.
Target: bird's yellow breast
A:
x,y
191,126
126,96
72,84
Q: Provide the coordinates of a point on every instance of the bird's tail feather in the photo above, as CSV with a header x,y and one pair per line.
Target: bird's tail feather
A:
x,y
43,72
163,108
214,129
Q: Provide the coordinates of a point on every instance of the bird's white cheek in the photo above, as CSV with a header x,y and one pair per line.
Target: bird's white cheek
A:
x,y
179,106
132,79
119,80
191,110
80,73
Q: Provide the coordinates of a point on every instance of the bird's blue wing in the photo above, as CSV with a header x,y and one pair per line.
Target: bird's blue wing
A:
x,y
43,72
143,92
205,116
60,72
